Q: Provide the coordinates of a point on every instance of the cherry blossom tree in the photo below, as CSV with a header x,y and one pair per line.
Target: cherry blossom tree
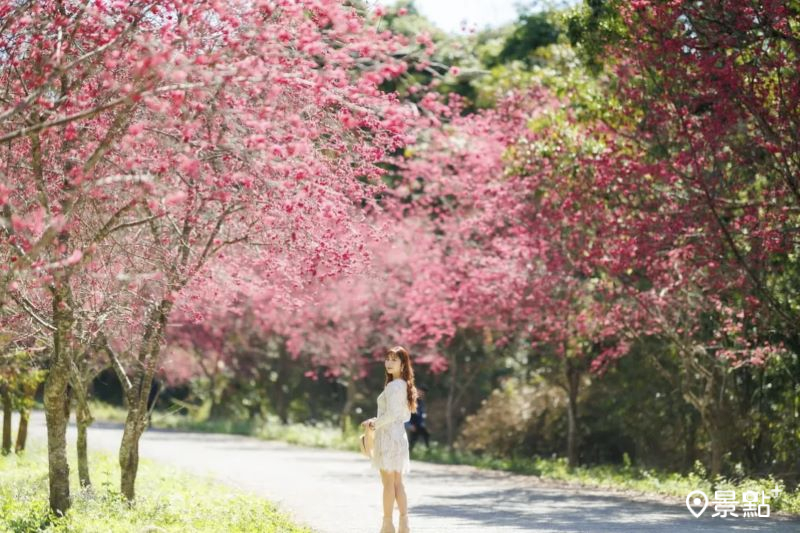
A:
x,y
703,176
173,132
471,271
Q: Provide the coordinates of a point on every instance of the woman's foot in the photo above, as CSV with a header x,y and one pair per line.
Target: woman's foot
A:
x,y
403,528
387,527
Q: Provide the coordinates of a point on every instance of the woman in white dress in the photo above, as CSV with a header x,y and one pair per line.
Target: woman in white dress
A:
x,y
390,450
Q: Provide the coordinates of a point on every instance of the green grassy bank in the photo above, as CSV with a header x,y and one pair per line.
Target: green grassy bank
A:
x,y
167,501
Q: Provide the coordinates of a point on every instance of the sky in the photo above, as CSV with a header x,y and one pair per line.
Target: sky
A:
x,y
449,15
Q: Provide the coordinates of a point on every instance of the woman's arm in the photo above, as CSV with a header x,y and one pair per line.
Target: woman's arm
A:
x,y
395,406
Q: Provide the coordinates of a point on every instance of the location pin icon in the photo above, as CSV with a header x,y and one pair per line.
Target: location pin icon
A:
x,y
696,498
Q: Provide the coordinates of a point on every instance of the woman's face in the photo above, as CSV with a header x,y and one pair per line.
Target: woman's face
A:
x,y
392,363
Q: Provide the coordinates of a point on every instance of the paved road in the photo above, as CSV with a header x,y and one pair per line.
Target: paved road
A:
x,y
336,492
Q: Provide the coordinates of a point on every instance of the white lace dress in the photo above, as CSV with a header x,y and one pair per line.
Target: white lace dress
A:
x,y
390,451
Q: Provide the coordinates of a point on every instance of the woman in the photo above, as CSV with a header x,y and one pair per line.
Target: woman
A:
x,y
390,451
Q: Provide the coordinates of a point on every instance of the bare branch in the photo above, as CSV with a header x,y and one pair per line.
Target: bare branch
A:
x,y
116,364
28,307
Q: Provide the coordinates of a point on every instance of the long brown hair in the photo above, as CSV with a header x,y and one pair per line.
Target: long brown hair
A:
x,y
407,375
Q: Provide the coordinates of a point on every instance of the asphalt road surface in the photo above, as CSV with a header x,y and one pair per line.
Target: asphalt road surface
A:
x,y
336,492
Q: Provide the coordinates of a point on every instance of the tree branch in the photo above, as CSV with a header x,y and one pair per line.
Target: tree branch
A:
x,y
116,364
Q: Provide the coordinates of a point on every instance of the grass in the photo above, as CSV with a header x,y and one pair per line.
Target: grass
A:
x,y
320,435
167,501
626,477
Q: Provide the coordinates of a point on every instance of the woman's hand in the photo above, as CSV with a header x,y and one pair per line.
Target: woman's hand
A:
x,y
369,422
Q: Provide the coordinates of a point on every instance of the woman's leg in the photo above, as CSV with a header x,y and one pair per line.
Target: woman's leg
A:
x,y
400,492
388,493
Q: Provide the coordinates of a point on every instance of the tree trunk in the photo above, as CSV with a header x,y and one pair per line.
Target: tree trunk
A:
x,y
344,424
690,452
216,410
5,394
84,420
710,404
22,432
276,395
56,405
129,454
450,406
716,437
138,395
29,393
56,416
284,371
573,382
283,405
